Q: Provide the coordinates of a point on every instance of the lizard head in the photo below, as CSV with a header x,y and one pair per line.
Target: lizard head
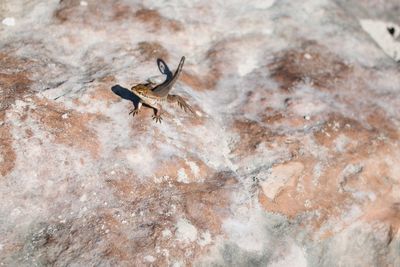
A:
x,y
140,89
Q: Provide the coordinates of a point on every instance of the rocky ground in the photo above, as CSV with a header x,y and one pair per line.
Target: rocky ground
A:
x,y
292,159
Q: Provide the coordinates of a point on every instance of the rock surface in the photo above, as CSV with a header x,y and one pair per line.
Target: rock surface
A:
x,y
293,158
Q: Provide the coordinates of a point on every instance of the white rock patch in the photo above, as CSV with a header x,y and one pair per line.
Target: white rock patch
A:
x,y
295,257
182,177
249,64
185,231
194,168
149,258
8,21
166,233
205,239
341,142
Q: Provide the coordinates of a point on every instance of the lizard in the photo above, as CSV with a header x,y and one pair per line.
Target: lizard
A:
x,y
155,96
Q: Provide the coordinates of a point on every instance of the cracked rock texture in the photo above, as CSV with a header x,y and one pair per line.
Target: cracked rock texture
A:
x,y
293,158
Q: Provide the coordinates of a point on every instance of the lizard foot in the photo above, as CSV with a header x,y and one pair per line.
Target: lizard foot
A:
x,y
134,112
157,118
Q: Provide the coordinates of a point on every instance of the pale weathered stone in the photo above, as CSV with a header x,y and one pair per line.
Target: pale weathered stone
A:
x,y
279,176
293,158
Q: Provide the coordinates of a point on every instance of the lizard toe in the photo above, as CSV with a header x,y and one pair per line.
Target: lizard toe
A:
x,y
157,118
134,112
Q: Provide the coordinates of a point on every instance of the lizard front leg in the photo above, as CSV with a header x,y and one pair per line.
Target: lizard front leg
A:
x,y
135,111
157,114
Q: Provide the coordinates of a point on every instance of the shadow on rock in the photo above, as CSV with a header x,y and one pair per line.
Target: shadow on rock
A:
x,y
164,69
126,94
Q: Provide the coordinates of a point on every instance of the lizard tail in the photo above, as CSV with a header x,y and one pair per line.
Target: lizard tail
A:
x,y
163,89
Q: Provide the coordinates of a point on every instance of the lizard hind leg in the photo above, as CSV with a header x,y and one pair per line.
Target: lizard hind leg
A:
x,y
157,114
181,103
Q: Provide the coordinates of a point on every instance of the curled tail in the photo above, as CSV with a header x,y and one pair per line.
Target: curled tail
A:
x,y
163,89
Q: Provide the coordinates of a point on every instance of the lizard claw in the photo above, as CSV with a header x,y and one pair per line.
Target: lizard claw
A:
x,y
134,112
157,118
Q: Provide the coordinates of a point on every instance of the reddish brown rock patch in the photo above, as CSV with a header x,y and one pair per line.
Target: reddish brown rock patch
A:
x,y
209,79
110,79
194,169
379,121
384,210
66,10
202,82
67,126
359,136
14,81
98,233
102,92
95,14
272,116
158,206
312,62
7,153
149,51
360,167
14,84
121,11
156,21
251,135
357,160
207,204
299,190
